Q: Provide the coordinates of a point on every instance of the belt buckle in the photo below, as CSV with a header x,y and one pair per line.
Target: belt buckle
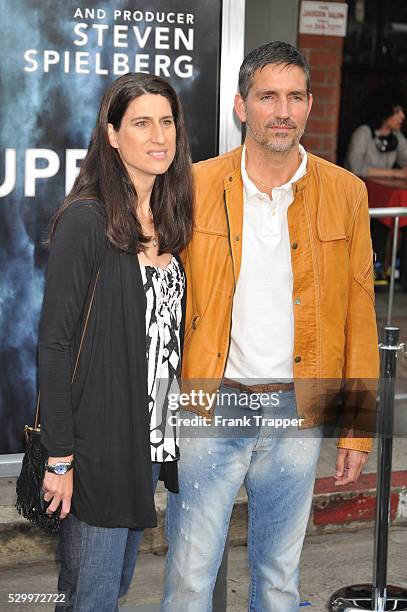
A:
x,y
256,388
246,389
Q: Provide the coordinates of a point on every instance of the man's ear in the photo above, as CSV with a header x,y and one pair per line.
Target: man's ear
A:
x,y
240,108
111,134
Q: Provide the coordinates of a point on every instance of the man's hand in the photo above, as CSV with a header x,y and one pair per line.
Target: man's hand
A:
x,y
58,488
349,465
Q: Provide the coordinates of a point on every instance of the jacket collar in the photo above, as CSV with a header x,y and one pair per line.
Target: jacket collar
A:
x,y
235,175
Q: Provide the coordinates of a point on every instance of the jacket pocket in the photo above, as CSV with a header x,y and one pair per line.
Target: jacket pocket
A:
x,y
331,221
330,233
333,262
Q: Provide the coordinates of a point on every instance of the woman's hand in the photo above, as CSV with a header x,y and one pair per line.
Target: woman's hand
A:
x,y
58,488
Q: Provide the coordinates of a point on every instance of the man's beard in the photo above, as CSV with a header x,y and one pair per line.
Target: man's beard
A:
x,y
280,142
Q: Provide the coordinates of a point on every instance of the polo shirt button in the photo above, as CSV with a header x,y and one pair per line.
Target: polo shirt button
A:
x,y
294,245
230,179
237,238
297,359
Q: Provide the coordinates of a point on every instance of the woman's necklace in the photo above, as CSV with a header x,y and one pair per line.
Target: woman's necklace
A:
x,y
154,236
155,241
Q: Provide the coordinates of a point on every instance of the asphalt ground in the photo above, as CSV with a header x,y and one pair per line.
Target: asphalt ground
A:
x,y
329,561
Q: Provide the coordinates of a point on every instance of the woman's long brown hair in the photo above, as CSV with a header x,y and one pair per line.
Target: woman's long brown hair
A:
x,y
103,176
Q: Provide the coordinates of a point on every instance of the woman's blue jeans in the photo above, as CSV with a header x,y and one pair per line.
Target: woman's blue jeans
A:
x,y
97,563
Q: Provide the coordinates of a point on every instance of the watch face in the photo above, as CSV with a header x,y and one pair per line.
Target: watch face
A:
x,y
59,468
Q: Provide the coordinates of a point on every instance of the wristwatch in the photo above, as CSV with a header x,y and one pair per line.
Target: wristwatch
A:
x,y
60,468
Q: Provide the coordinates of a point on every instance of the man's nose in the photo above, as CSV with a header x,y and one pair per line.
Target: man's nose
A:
x,y
281,108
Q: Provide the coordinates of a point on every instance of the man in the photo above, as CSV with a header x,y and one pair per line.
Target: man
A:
x,y
280,304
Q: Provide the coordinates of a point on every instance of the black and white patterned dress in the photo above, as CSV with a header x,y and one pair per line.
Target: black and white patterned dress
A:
x,y
164,289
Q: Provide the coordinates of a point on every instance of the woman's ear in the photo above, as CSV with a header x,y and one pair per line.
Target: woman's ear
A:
x,y
112,135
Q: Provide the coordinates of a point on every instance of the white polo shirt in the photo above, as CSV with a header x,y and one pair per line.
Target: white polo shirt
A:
x,y
262,337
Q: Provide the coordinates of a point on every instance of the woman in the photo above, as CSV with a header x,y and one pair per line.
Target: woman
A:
x,y
113,256
378,150
376,147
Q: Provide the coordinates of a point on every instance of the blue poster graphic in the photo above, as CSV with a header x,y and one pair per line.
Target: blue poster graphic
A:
x,y
57,58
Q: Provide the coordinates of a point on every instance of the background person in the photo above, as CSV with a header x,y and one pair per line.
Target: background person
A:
x,y
378,146
128,215
378,149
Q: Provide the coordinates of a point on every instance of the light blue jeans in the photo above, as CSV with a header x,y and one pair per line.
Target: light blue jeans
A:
x,y
278,469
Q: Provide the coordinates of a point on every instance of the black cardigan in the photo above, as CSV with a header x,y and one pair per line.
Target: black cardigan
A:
x,y
102,418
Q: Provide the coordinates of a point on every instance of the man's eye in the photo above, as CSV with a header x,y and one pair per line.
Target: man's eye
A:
x,y
267,97
168,122
141,124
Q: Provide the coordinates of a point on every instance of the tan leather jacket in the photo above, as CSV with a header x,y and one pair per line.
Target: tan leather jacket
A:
x,y
335,334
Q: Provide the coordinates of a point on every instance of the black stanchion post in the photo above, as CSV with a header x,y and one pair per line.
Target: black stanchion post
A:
x,y
378,596
385,418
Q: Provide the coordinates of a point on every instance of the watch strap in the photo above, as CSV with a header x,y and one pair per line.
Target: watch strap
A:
x,y
68,465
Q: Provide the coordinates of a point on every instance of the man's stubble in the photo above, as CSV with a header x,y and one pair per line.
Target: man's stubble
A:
x,y
280,142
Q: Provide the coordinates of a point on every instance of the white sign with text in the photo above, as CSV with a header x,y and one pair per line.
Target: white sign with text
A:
x,y
323,18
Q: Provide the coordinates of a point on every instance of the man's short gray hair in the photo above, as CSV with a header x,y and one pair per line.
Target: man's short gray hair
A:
x,y
270,53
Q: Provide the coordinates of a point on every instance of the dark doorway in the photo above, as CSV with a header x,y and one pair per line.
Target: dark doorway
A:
x,y
374,55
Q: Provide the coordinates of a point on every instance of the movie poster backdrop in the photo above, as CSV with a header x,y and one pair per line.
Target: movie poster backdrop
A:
x,y
57,58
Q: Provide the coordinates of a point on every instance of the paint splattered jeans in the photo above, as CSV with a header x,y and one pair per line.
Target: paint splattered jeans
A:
x,y
277,466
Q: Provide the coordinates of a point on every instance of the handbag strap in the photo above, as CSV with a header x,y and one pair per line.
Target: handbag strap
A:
x,y
37,409
85,326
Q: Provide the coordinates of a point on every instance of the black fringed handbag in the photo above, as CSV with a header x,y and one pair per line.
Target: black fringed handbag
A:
x,y
30,500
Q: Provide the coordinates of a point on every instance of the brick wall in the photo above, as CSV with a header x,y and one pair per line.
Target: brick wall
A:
x,y
324,55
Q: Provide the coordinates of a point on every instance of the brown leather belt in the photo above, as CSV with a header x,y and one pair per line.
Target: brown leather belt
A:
x,y
265,388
